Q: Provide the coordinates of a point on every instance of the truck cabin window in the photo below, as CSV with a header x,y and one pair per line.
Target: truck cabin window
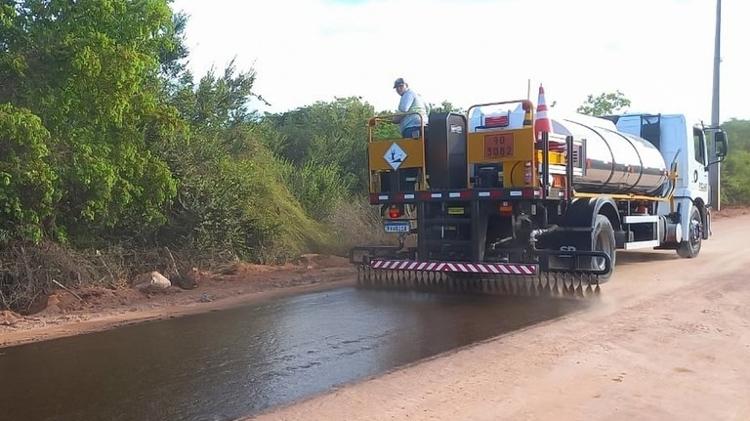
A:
x,y
700,145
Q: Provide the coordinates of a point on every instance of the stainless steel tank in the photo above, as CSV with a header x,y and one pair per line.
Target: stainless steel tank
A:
x,y
616,162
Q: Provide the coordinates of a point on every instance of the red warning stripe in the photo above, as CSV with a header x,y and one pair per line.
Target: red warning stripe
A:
x,y
455,267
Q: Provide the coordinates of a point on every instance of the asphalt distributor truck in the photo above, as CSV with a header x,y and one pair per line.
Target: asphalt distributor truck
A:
x,y
491,206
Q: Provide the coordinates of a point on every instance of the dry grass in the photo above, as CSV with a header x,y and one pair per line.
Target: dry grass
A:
x,y
356,223
27,271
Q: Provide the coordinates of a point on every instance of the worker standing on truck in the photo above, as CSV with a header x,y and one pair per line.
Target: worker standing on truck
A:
x,y
411,102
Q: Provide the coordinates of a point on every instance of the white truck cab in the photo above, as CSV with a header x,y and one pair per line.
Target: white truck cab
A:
x,y
683,145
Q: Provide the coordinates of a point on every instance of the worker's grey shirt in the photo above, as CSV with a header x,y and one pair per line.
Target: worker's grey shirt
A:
x,y
412,102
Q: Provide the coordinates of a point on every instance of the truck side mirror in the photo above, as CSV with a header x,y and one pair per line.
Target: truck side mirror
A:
x,y
720,142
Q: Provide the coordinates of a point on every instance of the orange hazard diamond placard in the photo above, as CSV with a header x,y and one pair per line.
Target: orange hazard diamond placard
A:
x,y
498,146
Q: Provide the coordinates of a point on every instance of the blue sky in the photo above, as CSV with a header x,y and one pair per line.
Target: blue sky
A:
x,y
659,52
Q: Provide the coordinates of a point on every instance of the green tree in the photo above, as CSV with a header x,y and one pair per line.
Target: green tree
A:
x,y
604,104
319,187
232,196
446,107
27,180
385,129
735,171
327,133
92,72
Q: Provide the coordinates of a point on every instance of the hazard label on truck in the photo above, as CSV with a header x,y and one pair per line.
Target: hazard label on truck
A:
x,y
498,146
395,156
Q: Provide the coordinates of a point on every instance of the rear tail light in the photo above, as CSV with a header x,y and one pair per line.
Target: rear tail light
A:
x,y
505,209
394,212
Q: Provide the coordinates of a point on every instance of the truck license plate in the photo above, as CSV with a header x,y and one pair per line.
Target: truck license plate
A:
x,y
397,226
498,146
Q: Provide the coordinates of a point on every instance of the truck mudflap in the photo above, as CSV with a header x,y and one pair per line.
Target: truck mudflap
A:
x,y
490,277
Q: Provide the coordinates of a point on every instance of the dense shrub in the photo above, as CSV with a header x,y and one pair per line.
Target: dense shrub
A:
x,y
27,179
735,181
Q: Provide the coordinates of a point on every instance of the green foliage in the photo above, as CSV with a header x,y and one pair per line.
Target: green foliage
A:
x,y
27,180
216,103
109,139
735,170
318,187
386,129
106,139
241,207
90,71
604,104
327,133
232,196
446,107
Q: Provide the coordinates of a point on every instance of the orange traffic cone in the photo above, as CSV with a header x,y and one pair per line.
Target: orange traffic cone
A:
x,y
542,122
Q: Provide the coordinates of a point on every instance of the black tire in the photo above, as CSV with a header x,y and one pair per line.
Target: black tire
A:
x,y
603,239
692,246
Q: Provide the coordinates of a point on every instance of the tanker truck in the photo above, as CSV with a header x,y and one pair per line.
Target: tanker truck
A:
x,y
491,205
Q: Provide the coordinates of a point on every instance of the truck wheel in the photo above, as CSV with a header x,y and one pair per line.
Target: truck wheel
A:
x,y
692,246
603,238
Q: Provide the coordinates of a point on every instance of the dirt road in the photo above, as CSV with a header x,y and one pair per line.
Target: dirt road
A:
x,y
670,339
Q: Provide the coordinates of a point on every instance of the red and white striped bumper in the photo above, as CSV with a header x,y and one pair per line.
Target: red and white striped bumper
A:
x,y
455,267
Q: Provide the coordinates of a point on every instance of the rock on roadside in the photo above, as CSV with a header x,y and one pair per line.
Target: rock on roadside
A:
x,y
9,318
151,281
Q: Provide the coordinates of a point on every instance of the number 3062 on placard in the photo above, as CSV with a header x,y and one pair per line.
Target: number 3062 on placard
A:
x,y
498,146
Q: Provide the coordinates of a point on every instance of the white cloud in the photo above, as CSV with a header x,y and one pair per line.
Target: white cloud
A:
x,y
659,52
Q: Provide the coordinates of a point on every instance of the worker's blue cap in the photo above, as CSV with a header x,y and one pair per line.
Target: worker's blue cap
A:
x,y
399,81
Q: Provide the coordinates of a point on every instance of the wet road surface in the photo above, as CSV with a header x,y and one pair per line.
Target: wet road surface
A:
x,y
243,361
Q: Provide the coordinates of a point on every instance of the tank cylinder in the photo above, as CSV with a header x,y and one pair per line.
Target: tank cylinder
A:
x,y
615,162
